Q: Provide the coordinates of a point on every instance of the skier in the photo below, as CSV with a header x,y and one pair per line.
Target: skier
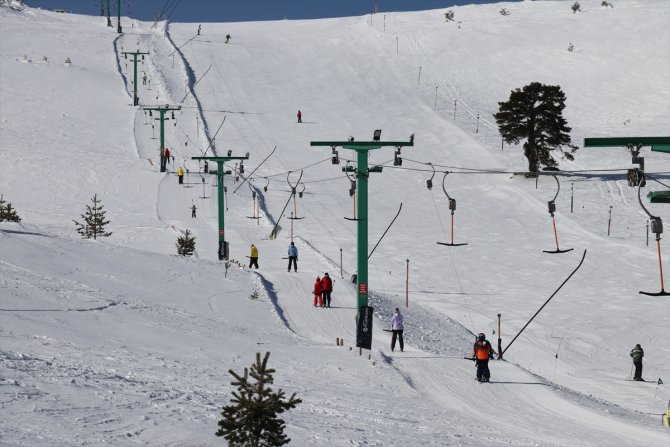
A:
x,y
180,174
193,208
144,77
482,352
317,292
637,353
292,257
253,257
227,38
326,289
199,26
299,116
166,154
397,328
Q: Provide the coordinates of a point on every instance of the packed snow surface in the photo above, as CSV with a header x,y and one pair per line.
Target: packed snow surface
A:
x,y
119,341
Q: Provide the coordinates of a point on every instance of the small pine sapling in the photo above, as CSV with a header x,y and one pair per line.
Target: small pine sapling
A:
x,y
186,244
504,12
94,221
571,47
576,7
251,419
606,4
7,213
449,15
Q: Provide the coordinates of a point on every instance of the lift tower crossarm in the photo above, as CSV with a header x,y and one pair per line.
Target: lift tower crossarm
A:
x,y
223,249
135,54
362,173
162,110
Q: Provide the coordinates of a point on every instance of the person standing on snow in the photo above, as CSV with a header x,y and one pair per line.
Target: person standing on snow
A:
x,y
637,353
326,289
180,175
482,352
253,257
199,27
144,78
193,208
299,116
292,257
227,38
317,292
397,329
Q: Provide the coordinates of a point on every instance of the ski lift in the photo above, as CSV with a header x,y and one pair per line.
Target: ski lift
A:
x,y
241,166
294,215
657,229
452,208
336,157
352,189
397,161
150,113
552,209
255,212
303,190
265,188
429,182
230,152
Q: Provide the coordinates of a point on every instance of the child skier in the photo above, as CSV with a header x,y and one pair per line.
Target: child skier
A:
x,y
317,292
482,352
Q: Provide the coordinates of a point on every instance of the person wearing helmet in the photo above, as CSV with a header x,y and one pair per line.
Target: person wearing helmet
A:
x,y
637,353
482,352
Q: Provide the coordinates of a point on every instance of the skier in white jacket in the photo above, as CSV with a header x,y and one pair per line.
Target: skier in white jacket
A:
x,y
396,329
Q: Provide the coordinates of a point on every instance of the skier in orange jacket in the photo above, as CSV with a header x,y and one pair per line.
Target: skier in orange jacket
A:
x,y
482,352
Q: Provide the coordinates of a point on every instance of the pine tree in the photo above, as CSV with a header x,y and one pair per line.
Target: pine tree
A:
x,y
185,244
535,113
7,213
94,221
449,15
251,420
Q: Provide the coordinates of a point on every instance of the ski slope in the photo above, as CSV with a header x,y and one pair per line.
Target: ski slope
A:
x,y
118,341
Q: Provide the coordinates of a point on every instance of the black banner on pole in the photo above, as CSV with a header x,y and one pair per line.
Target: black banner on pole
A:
x,y
364,327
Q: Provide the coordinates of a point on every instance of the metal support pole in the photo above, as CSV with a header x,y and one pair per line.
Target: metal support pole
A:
x,y
660,264
362,228
162,148
221,213
572,196
341,271
477,129
109,19
135,98
647,233
396,45
418,81
436,97
407,285
118,17
500,357
609,221
455,104
291,219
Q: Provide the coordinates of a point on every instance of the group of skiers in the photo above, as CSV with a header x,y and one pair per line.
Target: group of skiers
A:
x,y
323,287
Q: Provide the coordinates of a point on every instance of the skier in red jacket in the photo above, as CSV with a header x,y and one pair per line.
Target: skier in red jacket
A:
x,y
326,289
317,292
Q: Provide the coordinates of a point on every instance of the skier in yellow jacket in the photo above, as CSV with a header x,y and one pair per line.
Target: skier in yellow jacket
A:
x,y
253,257
180,174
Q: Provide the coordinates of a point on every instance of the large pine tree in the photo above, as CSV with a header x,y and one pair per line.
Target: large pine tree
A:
x,y
251,420
186,244
94,221
535,114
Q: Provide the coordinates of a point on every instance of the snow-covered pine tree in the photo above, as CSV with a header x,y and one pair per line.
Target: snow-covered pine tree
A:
x,y
186,244
7,213
251,420
94,221
449,15
576,7
535,114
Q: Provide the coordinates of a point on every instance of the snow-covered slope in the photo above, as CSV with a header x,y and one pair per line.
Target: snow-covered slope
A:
x,y
118,341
